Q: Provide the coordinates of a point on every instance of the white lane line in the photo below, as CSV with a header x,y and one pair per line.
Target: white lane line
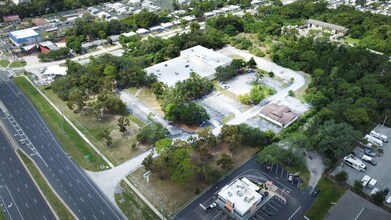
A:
x,y
294,213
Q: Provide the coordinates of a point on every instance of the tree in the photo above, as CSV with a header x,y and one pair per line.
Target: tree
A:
x,y
194,26
163,145
152,133
378,197
335,140
123,122
225,162
342,176
357,186
251,63
180,165
148,162
230,134
105,134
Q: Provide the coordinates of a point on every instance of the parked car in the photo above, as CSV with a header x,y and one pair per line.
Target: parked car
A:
x,y
316,192
211,207
386,191
388,200
369,152
290,177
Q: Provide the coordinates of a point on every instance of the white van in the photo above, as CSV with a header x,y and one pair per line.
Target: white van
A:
x,y
372,183
379,136
365,180
374,140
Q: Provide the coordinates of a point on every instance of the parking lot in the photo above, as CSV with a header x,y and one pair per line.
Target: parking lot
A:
x,y
298,201
380,172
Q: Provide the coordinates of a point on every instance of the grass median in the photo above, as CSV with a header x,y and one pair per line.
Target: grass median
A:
x,y
2,215
60,209
70,140
330,192
132,206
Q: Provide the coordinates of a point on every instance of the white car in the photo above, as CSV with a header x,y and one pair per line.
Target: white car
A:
x,y
375,190
388,200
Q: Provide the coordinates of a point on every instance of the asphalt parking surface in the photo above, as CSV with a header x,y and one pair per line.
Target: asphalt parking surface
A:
x,y
298,201
380,172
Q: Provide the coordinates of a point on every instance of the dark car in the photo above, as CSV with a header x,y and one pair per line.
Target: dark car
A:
x,y
316,192
267,211
369,152
386,191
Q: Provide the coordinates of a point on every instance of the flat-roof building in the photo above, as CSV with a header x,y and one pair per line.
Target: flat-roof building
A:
x,y
25,36
198,59
278,114
324,26
142,31
240,198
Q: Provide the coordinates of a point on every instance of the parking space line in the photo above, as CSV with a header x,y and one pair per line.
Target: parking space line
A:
x,y
272,206
294,213
276,204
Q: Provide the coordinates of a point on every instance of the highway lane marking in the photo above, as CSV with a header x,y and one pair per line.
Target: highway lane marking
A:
x,y
294,213
47,130
6,187
89,196
35,201
94,217
81,199
102,212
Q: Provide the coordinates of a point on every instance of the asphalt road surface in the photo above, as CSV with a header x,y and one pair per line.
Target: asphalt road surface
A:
x,y
71,183
19,197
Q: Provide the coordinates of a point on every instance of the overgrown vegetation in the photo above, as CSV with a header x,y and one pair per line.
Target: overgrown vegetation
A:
x,y
53,55
177,158
132,206
60,209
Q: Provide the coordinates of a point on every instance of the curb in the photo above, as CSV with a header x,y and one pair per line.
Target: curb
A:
x,y
39,188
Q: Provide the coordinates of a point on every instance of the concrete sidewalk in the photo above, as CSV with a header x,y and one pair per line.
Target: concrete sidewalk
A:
x,y
109,179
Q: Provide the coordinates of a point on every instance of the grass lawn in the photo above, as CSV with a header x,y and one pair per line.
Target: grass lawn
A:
x,y
17,64
300,93
227,118
175,196
4,63
148,98
350,40
120,150
2,215
132,206
68,137
54,201
329,192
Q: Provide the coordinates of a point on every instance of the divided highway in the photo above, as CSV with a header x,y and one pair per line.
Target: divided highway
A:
x,y
70,182
19,197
